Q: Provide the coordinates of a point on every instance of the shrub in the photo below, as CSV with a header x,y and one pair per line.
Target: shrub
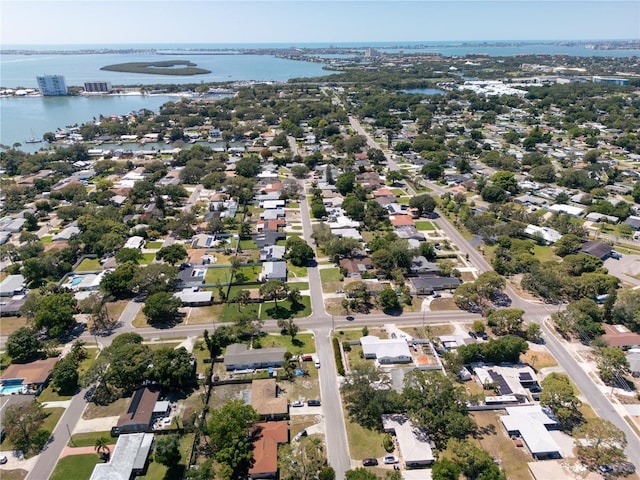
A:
x,y
338,356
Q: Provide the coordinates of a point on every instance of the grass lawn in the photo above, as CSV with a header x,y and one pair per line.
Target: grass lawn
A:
x,y
203,315
18,474
47,239
398,192
513,460
114,408
330,275
89,439
300,422
116,308
230,312
364,443
8,325
51,395
217,275
153,245
157,471
404,201
297,271
425,225
250,272
284,310
248,244
147,258
438,304
298,285
53,415
303,342
89,265
296,227
544,253
78,467
293,205
538,359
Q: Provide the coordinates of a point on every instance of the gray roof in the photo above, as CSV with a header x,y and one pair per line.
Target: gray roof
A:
x,y
274,270
188,295
429,284
130,454
11,285
633,222
597,249
238,354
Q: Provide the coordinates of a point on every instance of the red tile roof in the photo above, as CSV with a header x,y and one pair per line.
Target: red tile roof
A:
x,y
401,220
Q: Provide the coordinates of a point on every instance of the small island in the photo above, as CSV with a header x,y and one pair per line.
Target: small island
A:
x,y
166,67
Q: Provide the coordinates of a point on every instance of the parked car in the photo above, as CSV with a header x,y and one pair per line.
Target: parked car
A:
x,y
300,434
369,462
3,460
390,460
350,317
317,363
436,295
298,403
616,255
605,468
313,403
484,336
472,334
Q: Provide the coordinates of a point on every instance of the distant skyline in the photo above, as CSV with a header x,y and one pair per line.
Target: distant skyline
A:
x,y
60,22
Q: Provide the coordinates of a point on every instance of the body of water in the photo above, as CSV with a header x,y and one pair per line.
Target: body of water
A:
x,y
425,91
23,117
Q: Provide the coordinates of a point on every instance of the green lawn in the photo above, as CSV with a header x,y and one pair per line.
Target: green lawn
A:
x,y
398,192
364,443
299,285
89,439
297,271
424,225
284,310
153,245
330,275
147,258
230,312
248,244
217,275
544,253
250,272
303,342
293,205
46,239
76,467
89,264
157,471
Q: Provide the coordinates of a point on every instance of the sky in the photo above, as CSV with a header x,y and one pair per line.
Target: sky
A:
x,y
61,22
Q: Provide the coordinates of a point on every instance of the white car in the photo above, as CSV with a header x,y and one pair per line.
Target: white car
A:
x,y
390,460
317,363
298,403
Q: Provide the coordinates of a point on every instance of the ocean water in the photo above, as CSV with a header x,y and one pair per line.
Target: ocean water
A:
x,y
22,118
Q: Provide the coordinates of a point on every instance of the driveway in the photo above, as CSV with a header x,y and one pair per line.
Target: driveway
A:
x,y
625,269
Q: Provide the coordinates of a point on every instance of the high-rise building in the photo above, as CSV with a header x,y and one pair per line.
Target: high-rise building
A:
x,y
97,87
52,85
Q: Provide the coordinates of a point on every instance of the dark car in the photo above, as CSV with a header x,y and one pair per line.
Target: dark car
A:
x,y
369,462
472,334
484,335
313,403
350,317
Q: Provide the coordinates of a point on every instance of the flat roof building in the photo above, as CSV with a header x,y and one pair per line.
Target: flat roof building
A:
x,y
532,424
415,445
238,357
386,351
12,285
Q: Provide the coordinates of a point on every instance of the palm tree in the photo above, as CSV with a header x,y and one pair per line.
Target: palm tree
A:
x,y
102,445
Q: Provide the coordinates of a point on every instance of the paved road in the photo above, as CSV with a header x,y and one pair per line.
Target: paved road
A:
x,y
537,312
48,458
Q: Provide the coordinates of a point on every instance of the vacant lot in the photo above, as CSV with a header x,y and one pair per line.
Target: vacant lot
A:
x,y
285,309
302,343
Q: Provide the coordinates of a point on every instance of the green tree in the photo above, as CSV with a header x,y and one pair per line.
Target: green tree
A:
x,y
558,394
506,181
424,204
65,376
360,473
162,308
301,460
55,313
489,284
599,441
298,251
118,282
24,346
167,450
506,321
128,255
229,431
248,167
612,364
154,278
345,183
445,469
273,290
388,299
533,333
101,446
568,243
172,254
438,405
22,424
475,463
128,365
172,368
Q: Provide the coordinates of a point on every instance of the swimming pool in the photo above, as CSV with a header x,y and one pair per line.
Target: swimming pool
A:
x,y
76,281
10,389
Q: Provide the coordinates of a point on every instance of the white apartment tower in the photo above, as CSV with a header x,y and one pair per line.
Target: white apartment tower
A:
x,y
52,85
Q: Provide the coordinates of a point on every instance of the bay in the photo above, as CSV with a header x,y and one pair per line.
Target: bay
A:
x,y
25,117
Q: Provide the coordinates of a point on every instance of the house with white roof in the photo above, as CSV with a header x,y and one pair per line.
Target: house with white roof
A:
x,y
416,448
274,271
548,235
386,351
568,209
532,424
129,458
134,242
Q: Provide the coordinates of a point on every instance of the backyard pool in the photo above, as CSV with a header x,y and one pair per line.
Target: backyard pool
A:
x,y
10,389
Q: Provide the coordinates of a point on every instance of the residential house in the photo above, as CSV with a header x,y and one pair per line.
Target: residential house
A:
x,y
128,460
194,297
416,448
268,238
32,376
597,249
139,416
238,357
268,437
273,271
355,267
191,276
547,235
386,351
620,336
12,285
272,253
420,265
633,222
265,400
427,285
532,424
